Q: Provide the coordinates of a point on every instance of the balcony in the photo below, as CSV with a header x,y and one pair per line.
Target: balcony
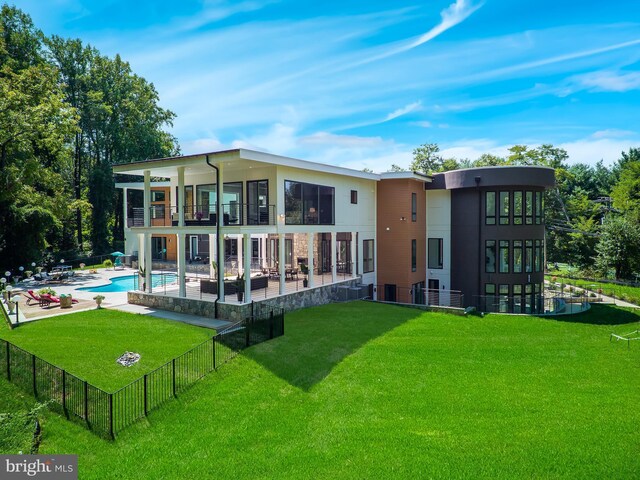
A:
x,y
234,214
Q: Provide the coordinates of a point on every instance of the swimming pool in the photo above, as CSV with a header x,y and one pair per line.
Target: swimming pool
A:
x,y
130,282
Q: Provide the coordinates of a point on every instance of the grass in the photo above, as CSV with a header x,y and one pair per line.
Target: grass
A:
x,y
623,292
363,390
87,344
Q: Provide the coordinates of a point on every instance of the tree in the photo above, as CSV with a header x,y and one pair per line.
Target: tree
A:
x,y
619,247
626,193
426,159
489,160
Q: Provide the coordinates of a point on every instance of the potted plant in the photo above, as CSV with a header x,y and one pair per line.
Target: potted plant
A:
x,y
99,299
142,274
215,269
305,271
108,264
82,265
12,303
199,216
239,284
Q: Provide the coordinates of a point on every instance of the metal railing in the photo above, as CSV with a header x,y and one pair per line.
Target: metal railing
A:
x,y
236,214
107,413
420,296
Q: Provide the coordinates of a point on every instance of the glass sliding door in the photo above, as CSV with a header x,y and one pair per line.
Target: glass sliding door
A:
x,y
232,203
205,201
258,202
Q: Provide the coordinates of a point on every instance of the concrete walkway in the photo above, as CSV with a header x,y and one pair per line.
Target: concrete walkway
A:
x,y
178,317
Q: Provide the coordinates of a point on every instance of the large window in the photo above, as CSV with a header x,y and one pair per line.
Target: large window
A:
x,y
538,256
434,247
414,255
308,204
517,208
517,256
538,208
414,207
528,208
528,256
206,199
504,208
258,202
490,256
490,208
232,203
367,256
157,195
504,256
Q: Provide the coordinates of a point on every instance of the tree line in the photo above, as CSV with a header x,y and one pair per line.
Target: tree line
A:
x,y
592,214
67,114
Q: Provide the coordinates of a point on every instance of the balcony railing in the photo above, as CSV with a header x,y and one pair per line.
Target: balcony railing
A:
x,y
234,214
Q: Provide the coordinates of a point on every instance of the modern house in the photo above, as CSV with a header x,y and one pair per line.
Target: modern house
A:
x,y
472,237
283,219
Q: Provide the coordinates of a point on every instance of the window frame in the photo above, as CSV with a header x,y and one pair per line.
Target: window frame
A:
x,y
488,248
368,257
319,211
440,250
503,254
518,204
504,213
528,207
354,197
489,217
414,206
414,255
518,246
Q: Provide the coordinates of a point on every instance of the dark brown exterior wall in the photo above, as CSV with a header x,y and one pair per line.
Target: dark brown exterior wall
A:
x,y
394,245
468,236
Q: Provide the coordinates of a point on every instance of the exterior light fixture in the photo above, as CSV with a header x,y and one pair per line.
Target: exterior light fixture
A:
x,y
33,264
7,273
402,219
21,269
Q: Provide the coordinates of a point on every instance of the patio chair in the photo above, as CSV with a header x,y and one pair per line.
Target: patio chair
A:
x,y
52,299
33,297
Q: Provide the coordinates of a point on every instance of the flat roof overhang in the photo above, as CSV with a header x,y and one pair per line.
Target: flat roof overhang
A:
x,y
237,159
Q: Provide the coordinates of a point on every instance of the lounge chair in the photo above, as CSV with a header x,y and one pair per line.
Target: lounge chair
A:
x,y
52,299
33,297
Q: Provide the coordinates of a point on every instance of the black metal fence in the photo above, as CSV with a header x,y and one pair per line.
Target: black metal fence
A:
x,y
106,413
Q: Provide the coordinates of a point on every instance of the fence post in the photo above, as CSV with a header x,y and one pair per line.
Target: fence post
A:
x,y
271,325
33,370
247,336
86,403
64,393
111,432
8,361
213,350
173,363
146,402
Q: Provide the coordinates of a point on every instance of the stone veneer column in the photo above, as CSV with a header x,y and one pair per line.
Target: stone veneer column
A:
x,y
310,258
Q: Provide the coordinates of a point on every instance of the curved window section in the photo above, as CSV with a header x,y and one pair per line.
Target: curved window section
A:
x,y
504,208
490,208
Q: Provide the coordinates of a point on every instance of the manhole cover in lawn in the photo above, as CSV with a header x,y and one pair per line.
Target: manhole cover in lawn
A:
x,y
128,358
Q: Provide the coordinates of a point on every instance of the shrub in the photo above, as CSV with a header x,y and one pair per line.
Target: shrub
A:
x,y
47,290
108,263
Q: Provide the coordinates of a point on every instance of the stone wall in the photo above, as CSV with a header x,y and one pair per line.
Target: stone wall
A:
x,y
227,311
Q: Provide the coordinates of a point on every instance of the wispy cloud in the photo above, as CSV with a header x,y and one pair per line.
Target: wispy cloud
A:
x,y
609,81
412,107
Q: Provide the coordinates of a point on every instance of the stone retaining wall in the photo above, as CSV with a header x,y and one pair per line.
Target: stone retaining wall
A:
x,y
227,311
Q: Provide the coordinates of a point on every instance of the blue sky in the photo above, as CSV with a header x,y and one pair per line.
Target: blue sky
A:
x,y
360,84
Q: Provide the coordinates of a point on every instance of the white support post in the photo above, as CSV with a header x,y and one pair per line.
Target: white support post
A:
x,y
148,262
334,256
180,198
310,237
239,262
212,255
147,198
181,249
281,263
125,206
246,240
353,254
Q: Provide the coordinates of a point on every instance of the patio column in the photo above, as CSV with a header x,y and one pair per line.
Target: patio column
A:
x,y
181,247
125,206
246,241
240,243
281,262
354,245
180,198
263,260
147,198
334,248
212,255
148,262
310,257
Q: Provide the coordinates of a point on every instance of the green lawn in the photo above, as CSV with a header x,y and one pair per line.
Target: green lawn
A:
x,y
87,344
364,390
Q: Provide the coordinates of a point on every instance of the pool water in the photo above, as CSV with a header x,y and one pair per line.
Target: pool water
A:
x,y
130,282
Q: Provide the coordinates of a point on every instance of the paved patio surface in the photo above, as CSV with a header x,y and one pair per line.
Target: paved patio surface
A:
x,y
177,317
